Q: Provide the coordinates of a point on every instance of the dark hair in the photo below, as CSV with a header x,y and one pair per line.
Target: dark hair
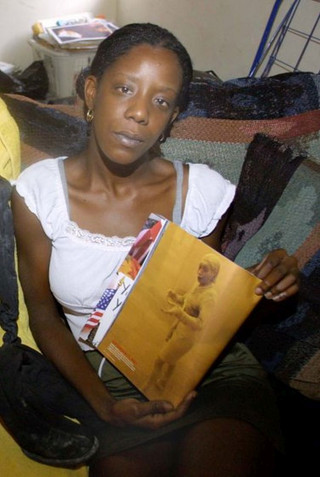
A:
x,y
121,41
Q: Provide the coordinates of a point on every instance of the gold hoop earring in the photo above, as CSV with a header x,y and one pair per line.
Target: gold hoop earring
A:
x,y
89,115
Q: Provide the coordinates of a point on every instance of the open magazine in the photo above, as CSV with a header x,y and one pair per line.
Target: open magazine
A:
x,y
94,30
170,310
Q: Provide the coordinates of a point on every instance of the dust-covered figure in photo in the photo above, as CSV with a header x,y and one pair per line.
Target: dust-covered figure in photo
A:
x,y
192,310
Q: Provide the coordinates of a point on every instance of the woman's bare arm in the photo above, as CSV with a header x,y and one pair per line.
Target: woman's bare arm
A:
x,y
49,330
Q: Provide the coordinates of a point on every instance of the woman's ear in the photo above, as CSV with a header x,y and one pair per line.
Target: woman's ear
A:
x,y
175,114
167,130
90,91
169,126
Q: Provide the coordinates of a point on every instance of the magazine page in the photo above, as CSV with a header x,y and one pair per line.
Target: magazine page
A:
x,y
122,282
94,30
185,307
72,19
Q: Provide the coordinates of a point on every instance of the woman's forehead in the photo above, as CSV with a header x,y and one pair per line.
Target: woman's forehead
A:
x,y
148,63
144,52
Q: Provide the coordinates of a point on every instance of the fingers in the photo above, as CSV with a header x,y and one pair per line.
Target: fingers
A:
x,y
279,275
184,405
153,408
150,414
156,420
131,411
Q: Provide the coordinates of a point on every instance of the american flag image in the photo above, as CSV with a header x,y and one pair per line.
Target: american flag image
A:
x,y
104,301
97,313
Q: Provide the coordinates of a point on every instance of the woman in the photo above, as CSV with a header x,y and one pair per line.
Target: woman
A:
x,y
82,214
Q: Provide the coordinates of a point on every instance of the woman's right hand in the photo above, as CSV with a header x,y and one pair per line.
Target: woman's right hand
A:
x,y
149,415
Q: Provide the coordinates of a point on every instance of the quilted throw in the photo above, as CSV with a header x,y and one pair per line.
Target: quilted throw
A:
x,y
286,94
287,342
263,134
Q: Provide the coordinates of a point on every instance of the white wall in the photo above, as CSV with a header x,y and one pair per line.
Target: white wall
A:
x,y
18,16
222,35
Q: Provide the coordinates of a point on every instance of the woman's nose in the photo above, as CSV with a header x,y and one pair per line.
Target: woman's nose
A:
x,y
138,110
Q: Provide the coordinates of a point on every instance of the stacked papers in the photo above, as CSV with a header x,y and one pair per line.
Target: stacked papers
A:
x,y
82,30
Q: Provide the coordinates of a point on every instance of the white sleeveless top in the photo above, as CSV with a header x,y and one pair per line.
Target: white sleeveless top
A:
x,y
82,262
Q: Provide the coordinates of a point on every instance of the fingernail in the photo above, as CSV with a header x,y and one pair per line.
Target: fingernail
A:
x,y
280,296
192,395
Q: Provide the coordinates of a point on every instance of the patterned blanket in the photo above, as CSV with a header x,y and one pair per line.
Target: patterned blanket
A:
x,y
278,96
277,202
286,339
291,342
259,189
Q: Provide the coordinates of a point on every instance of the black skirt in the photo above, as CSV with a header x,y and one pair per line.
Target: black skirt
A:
x,y
236,387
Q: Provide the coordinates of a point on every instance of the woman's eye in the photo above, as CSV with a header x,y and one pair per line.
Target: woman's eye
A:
x,y
162,102
123,89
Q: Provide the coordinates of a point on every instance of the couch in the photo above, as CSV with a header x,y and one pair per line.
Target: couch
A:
x,y
264,135
13,462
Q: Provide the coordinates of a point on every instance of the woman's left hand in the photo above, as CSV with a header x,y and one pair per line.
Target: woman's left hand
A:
x,y
279,274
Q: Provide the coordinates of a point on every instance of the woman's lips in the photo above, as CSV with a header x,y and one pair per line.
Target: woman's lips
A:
x,y
128,139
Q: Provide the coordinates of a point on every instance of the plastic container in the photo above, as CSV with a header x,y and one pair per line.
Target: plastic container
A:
x,y
62,67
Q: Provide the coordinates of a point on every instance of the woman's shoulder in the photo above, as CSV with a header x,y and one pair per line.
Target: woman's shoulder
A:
x,y
208,183
200,172
40,185
208,198
44,167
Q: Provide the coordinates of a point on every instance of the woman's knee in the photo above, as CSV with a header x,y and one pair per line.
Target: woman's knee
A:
x,y
154,459
225,448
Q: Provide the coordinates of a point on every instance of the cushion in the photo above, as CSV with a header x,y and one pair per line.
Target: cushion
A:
x,y
203,139
259,189
10,163
47,130
224,145
9,144
277,205
13,462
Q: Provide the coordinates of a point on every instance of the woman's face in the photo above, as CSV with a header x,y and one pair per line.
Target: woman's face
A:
x,y
134,102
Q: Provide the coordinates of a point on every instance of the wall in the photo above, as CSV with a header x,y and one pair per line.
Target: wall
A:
x,y
18,16
222,35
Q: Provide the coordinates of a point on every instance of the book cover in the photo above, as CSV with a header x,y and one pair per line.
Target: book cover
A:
x,y
120,285
74,18
94,30
180,306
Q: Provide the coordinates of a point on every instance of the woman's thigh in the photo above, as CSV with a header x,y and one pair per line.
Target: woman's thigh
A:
x,y
153,459
217,447
223,447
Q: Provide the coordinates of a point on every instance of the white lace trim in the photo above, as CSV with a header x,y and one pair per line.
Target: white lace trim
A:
x,y
85,236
